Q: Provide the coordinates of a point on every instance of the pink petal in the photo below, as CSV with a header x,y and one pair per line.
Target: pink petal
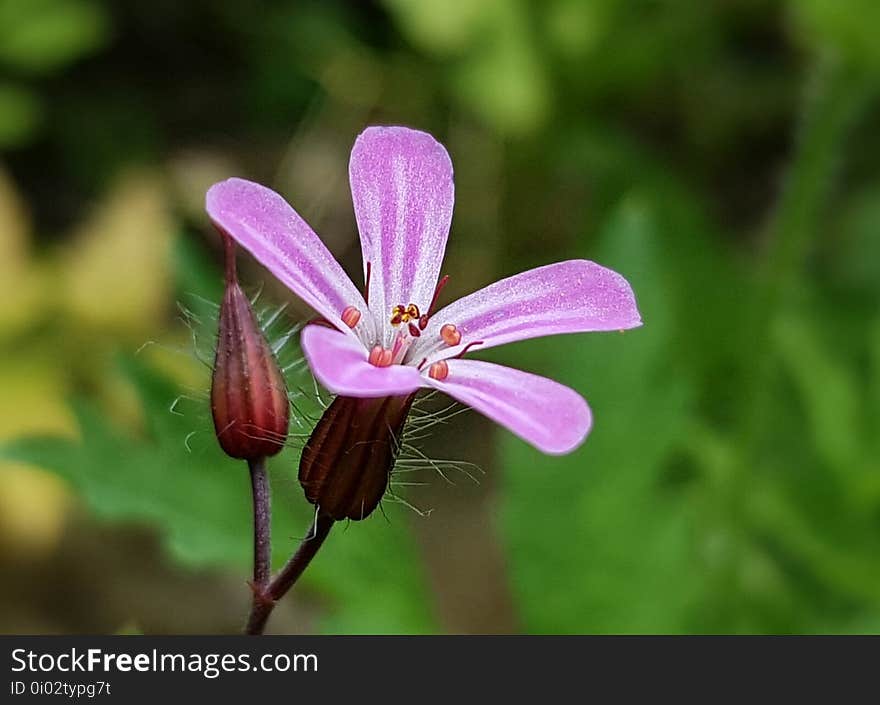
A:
x,y
263,223
576,296
339,362
401,184
552,417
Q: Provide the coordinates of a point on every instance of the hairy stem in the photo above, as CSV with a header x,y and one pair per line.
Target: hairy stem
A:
x,y
262,524
265,599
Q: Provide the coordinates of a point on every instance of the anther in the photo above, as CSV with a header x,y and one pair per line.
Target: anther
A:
x,y
351,316
439,370
413,311
398,314
375,355
414,331
450,335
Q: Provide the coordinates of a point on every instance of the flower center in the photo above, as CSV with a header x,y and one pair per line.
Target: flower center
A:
x,y
385,357
410,323
404,314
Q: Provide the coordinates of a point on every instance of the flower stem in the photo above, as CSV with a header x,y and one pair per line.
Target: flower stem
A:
x,y
262,524
266,597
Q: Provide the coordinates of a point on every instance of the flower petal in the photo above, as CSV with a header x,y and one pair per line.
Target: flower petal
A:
x,y
552,417
402,188
340,364
263,223
576,296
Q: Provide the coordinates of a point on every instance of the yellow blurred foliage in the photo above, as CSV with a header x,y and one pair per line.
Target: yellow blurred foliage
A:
x,y
32,501
33,399
116,268
111,282
33,506
20,284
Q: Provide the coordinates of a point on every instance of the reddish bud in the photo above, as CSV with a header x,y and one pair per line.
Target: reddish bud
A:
x,y
248,393
345,466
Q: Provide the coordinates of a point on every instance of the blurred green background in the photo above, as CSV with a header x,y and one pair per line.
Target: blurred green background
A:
x,y
722,155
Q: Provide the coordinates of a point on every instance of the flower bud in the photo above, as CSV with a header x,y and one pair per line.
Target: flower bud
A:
x,y
248,393
347,461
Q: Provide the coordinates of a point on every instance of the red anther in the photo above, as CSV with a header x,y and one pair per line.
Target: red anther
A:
x,y
413,312
466,348
351,316
423,321
414,331
439,370
450,335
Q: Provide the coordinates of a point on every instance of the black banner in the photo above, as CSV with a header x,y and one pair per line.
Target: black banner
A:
x,y
387,669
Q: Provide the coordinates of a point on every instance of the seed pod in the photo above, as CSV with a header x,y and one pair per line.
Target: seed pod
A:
x,y
345,466
248,393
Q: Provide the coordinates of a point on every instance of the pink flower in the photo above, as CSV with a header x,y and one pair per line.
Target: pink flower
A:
x,y
402,186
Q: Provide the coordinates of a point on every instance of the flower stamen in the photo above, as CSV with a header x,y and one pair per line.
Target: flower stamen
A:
x,y
375,357
439,370
400,348
351,316
450,335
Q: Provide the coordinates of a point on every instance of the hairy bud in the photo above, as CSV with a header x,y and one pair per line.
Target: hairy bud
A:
x,y
345,466
248,393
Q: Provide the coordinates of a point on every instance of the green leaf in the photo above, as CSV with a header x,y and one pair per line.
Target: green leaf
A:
x,y
845,26
20,114
828,391
597,542
43,35
498,72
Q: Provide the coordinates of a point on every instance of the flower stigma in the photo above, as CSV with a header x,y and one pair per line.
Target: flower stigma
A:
x,y
404,314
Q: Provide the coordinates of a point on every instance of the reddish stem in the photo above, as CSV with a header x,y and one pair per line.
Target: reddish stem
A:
x,y
265,600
